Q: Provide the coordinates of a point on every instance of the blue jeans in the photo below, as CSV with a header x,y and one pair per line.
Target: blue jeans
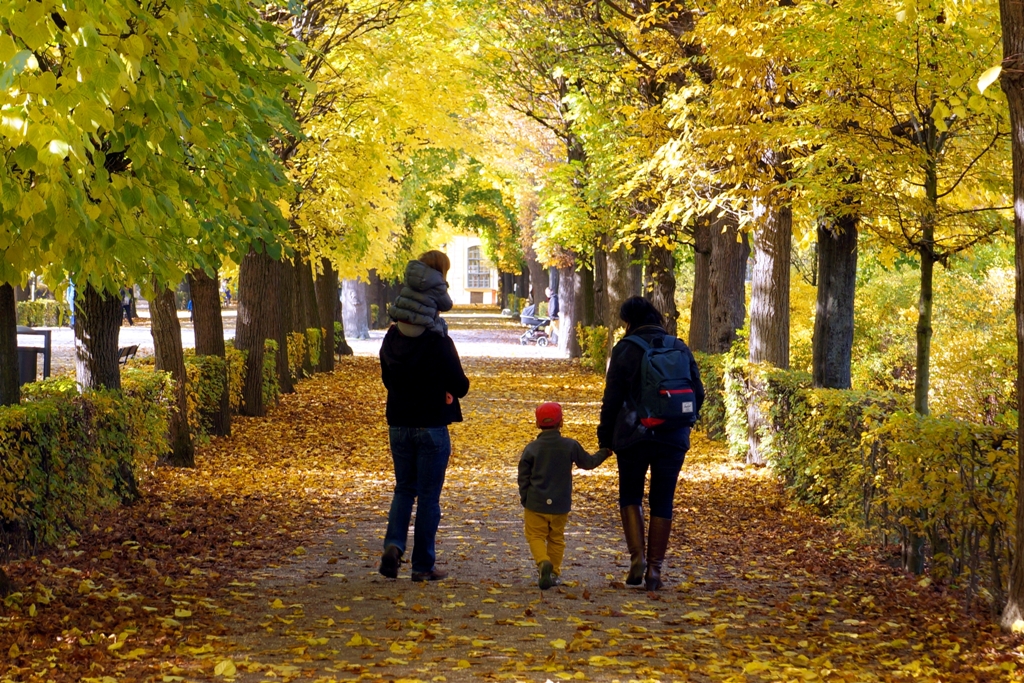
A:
x,y
420,455
664,461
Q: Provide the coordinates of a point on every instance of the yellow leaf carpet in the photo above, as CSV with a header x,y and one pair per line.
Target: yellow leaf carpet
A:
x,y
260,565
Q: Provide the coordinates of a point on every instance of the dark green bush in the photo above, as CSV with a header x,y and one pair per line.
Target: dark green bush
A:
x,y
712,413
271,386
64,456
43,313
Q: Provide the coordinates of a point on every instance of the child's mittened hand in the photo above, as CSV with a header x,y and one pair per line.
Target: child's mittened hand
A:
x,y
448,398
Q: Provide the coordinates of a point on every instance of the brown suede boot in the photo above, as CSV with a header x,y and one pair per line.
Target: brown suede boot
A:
x,y
633,527
657,544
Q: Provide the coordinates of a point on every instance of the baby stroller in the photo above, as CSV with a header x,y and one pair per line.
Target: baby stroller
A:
x,y
536,327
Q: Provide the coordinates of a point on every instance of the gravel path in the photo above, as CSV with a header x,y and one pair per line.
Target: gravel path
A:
x,y
495,340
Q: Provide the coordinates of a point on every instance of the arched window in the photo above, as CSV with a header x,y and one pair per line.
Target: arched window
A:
x,y
478,270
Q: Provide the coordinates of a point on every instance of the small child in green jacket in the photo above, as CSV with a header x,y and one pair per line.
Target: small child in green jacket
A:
x,y
545,489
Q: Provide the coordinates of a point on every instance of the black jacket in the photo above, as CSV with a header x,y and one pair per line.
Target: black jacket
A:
x,y
417,372
619,427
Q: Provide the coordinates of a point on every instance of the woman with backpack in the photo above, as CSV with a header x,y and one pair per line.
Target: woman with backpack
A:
x,y
652,396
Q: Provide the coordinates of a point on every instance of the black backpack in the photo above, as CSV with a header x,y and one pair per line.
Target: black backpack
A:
x,y
666,397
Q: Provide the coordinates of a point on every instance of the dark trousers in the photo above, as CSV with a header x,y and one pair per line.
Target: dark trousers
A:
x,y
420,456
664,463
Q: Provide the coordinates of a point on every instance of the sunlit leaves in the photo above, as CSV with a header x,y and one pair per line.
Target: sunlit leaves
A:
x,y
400,83
127,126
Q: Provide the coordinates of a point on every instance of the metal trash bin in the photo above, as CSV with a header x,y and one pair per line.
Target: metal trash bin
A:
x,y
28,356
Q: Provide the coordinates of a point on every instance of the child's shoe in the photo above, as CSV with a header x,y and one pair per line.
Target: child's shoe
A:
x,y
546,580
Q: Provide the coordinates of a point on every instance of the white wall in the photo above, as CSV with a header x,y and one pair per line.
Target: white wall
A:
x,y
457,250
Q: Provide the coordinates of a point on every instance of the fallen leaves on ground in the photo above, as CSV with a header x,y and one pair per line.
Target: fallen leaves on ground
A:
x,y
260,565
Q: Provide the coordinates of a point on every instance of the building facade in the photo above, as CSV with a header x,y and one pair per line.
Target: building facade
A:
x,y
472,279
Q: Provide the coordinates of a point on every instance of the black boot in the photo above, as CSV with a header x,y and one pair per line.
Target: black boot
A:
x,y
657,544
633,527
389,562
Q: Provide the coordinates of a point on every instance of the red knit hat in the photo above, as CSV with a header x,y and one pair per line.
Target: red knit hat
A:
x,y
549,415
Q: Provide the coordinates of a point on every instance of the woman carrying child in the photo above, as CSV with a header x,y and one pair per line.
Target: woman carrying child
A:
x,y
424,378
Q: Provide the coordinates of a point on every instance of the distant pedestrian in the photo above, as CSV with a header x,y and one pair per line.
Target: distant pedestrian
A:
x,y
127,295
545,490
644,441
553,312
191,313
227,294
69,298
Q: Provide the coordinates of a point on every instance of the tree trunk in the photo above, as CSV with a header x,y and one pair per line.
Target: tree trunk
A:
x,y
97,328
588,316
340,345
924,303
570,296
258,318
326,296
924,333
769,295
729,252
375,296
635,275
381,293
506,283
597,312
520,286
163,312
354,309
310,317
833,319
291,299
621,280
10,384
1013,85
700,305
538,277
913,543
661,265
285,322
209,331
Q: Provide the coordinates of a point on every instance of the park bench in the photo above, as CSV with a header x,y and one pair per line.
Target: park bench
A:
x,y
28,356
126,353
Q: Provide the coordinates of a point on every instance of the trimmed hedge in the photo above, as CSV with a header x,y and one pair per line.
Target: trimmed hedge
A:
x,y
712,413
271,385
205,382
315,343
43,313
942,486
303,345
594,347
296,354
65,456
